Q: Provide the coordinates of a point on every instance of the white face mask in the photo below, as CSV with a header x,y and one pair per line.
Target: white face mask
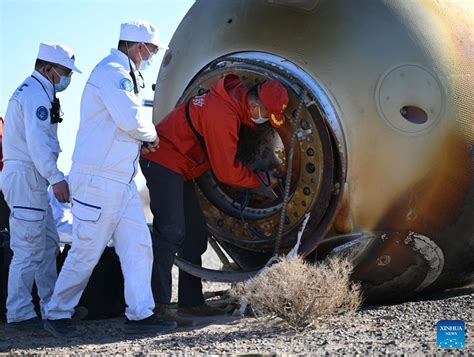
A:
x,y
260,119
63,82
144,64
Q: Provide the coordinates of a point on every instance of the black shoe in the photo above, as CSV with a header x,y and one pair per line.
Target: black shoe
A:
x,y
33,324
80,313
60,328
152,324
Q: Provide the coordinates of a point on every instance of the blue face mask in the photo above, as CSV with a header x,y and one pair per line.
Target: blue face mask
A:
x,y
144,64
63,82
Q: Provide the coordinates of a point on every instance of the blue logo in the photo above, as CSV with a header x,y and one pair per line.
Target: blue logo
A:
x,y
126,84
42,113
450,334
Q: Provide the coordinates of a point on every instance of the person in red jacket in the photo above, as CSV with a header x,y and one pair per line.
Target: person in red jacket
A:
x,y
196,136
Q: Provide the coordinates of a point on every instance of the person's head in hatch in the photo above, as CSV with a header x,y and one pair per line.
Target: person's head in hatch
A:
x,y
268,101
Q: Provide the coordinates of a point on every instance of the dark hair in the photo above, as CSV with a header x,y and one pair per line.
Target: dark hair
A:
x,y
41,63
125,45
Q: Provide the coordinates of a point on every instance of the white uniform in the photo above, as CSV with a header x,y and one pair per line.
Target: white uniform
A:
x,y
30,151
63,218
105,201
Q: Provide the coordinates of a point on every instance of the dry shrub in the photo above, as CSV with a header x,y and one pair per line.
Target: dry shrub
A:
x,y
299,292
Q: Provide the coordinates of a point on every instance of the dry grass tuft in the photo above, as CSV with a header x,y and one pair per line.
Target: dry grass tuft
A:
x,y
300,293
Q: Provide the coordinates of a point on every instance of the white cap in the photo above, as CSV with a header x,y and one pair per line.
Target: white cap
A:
x,y
141,31
58,54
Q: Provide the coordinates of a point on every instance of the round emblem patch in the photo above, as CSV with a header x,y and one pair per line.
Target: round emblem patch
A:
x,y
42,113
126,84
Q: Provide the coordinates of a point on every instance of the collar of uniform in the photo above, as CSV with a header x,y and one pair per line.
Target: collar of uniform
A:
x,y
122,58
48,86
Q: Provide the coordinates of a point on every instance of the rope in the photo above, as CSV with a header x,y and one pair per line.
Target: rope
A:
x,y
289,168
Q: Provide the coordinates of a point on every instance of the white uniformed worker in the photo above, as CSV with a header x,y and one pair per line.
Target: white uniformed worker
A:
x,y
30,151
105,200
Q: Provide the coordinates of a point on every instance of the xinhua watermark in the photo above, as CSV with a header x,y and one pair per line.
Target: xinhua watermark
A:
x,y
450,334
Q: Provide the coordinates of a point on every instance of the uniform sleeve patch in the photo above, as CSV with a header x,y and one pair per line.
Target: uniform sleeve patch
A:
x,y
126,84
42,113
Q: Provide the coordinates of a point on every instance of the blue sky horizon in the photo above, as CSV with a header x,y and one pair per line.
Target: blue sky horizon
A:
x,y
90,28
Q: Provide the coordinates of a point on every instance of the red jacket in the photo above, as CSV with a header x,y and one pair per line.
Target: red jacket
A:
x,y
217,116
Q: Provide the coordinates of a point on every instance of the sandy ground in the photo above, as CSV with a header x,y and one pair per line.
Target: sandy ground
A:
x,y
408,328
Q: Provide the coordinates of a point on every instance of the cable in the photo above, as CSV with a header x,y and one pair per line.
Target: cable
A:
x,y
289,168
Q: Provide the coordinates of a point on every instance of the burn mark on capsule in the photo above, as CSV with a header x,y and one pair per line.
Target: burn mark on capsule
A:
x,y
383,260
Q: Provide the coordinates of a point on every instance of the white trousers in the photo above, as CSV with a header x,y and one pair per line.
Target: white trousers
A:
x,y
105,209
33,239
